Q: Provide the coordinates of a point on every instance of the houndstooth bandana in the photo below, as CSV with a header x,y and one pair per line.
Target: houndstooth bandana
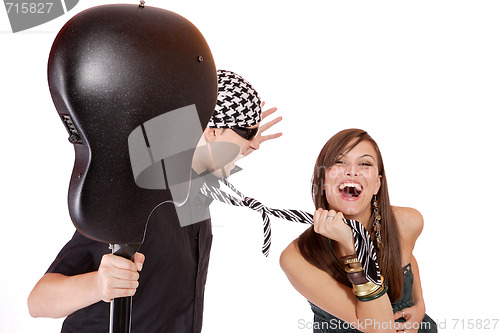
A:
x,y
238,104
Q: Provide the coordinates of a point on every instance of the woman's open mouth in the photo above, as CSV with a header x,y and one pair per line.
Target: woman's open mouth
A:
x,y
350,191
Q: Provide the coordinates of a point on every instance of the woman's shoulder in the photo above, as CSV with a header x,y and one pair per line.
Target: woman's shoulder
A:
x,y
409,221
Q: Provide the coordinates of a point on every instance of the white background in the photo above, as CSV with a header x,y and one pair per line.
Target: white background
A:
x,y
422,78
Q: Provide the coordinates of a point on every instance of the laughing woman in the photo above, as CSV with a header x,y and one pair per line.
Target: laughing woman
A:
x,y
349,182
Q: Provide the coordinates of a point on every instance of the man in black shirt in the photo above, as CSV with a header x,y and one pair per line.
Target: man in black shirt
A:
x,y
167,277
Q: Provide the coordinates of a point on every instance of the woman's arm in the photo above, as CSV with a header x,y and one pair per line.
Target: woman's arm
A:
x,y
418,297
411,224
413,314
334,297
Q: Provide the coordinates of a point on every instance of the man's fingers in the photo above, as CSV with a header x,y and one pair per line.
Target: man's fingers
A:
x,y
270,137
117,293
124,274
139,260
123,263
270,124
118,277
125,284
117,261
138,257
268,112
123,267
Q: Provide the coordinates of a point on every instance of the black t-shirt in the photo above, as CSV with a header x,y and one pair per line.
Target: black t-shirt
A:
x,y
171,284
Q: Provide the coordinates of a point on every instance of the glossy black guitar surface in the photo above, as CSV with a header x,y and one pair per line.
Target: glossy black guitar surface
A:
x,y
112,69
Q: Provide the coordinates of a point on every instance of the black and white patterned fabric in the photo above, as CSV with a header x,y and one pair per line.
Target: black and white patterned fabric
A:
x,y
363,243
365,249
238,104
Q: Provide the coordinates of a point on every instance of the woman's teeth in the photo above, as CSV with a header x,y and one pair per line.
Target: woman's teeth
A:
x,y
355,185
351,190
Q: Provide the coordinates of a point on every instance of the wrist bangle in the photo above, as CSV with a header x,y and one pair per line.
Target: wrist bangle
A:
x,y
357,278
366,289
349,256
350,270
356,275
375,295
350,259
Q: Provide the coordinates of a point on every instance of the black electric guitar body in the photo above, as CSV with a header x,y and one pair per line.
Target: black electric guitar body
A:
x,y
113,71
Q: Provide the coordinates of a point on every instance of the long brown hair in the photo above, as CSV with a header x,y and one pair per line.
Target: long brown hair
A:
x,y
315,248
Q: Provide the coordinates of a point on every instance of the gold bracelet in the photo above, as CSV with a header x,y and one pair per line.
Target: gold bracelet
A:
x,y
366,289
373,296
350,261
353,269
